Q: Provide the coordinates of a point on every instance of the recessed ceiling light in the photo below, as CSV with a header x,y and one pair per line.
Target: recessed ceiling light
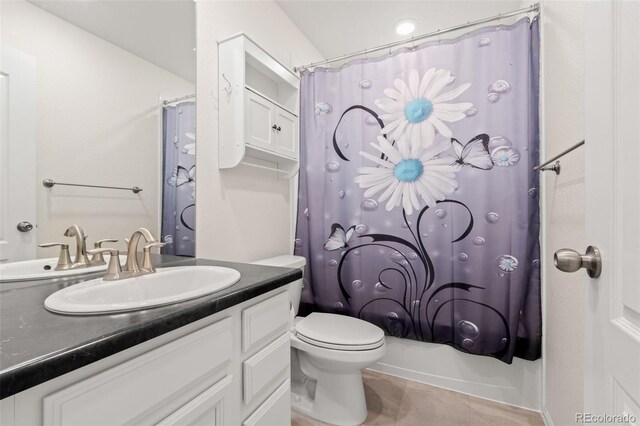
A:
x,y
406,27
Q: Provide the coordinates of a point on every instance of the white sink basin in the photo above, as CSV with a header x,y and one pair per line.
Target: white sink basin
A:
x,y
43,269
166,286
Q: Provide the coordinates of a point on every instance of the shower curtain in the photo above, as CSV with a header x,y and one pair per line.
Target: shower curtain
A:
x,y
178,189
418,206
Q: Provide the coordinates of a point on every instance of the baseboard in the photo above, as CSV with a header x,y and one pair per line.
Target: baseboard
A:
x,y
546,417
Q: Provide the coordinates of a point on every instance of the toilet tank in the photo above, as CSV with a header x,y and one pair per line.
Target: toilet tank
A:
x,y
288,261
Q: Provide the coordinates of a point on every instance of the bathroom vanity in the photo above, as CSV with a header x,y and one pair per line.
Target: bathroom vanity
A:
x,y
219,359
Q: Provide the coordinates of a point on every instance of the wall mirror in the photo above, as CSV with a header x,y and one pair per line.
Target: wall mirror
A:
x,y
97,93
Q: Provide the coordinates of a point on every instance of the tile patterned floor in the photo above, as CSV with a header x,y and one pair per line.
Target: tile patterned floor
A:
x,y
395,401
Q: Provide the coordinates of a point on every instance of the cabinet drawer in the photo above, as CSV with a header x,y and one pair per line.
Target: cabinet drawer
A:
x,y
262,368
146,385
276,410
265,320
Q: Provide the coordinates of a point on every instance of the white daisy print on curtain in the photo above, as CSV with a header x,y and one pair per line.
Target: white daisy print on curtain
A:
x,y
409,171
419,109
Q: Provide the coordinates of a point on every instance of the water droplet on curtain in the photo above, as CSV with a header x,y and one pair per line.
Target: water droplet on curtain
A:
x,y
536,263
369,205
471,112
379,287
441,213
186,239
501,274
397,256
366,84
175,140
298,242
341,194
425,235
468,344
168,239
357,284
323,108
306,212
533,192
406,224
342,253
415,304
463,257
333,263
444,225
392,316
478,241
484,41
361,229
499,86
412,256
371,121
332,166
493,97
504,341
331,179
346,145
178,228
505,156
356,252
338,306
172,180
498,142
507,263
467,329
492,217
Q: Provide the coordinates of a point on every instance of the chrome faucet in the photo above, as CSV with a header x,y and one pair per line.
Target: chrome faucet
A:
x,y
131,267
81,260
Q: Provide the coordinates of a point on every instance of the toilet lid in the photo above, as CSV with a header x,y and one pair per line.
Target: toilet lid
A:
x,y
339,332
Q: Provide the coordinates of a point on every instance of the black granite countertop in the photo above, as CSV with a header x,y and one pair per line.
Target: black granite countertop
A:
x,y
37,345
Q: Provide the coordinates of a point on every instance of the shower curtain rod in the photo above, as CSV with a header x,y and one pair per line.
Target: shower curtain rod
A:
x,y
174,100
533,8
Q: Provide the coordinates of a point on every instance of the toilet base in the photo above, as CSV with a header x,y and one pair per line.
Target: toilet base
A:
x,y
339,399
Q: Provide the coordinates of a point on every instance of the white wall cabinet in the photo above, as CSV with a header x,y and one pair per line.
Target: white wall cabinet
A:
x,y
196,375
269,126
258,108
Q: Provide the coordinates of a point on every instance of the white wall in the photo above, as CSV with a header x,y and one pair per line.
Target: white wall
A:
x,y
98,122
563,208
242,214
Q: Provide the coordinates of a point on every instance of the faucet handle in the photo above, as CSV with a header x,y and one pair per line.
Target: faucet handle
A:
x,y
64,259
98,244
114,269
146,258
98,259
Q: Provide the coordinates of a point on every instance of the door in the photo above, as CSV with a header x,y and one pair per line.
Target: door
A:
x,y
612,312
260,130
17,156
287,133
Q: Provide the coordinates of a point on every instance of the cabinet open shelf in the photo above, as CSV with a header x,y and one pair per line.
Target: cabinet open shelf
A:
x,y
258,108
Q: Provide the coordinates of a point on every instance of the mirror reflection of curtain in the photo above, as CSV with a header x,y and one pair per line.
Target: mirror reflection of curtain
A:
x,y
179,186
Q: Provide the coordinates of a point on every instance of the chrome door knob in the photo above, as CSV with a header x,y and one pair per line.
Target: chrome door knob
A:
x,y
569,260
24,226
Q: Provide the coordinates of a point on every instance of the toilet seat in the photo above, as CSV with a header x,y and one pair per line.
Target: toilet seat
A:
x,y
338,332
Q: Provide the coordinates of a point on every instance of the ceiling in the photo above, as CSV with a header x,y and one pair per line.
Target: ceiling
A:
x,y
340,27
162,32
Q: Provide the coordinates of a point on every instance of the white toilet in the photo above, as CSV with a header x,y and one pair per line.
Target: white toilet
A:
x,y
328,351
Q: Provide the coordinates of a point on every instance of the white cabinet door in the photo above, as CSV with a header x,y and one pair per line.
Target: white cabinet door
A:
x,y
210,408
259,127
287,133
